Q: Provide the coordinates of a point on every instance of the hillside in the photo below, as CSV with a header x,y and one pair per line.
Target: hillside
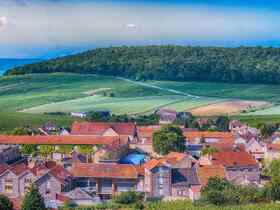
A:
x,y
8,63
177,63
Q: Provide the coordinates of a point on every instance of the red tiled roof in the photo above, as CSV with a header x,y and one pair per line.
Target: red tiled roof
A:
x,y
274,147
104,170
19,168
232,158
172,158
60,173
59,140
3,167
98,128
207,171
193,135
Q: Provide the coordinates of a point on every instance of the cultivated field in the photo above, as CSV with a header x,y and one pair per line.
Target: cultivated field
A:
x,y
42,93
231,107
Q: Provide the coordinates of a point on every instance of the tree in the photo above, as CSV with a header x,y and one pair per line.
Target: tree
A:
x,y
28,149
86,150
209,150
267,129
5,203
65,149
46,150
33,200
222,123
20,131
128,197
214,193
169,138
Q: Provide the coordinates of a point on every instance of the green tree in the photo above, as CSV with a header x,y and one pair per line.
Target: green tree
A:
x,y
33,200
5,203
169,138
209,150
214,191
267,129
86,150
65,149
46,150
20,131
222,123
28,149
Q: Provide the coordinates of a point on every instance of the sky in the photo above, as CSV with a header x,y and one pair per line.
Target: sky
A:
x,y
51,28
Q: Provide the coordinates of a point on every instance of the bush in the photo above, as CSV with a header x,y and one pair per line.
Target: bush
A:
x,y
5,203
128,197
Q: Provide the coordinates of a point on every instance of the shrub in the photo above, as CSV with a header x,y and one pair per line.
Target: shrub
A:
x,y
128,197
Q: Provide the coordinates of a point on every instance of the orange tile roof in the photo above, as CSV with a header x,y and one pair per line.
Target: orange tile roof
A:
x,y
104,170
191,136
147,131
171,159
232,158
274,147
60,173
98,128
59,140
208,171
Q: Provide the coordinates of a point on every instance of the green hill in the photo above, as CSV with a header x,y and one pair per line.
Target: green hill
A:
x,y
177,63
9,63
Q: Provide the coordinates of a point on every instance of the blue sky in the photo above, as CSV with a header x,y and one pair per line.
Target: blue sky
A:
x,y
50,28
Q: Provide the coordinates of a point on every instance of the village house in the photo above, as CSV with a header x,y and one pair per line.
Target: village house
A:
x,y
197,140
106,179
241,167
122,130
170,176
9,153
256,149
15,180
272,151
166,116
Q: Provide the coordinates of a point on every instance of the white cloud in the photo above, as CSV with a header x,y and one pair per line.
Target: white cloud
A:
x,y
131,25
3,21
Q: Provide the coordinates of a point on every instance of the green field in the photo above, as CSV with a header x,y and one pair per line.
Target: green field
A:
x,y
10,120
39,93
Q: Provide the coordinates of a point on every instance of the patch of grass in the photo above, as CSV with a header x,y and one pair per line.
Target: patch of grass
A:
x,y
10,120
225,90
136,105
254,120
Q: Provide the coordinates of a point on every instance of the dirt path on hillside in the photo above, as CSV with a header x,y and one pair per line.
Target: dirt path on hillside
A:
x,y
158,88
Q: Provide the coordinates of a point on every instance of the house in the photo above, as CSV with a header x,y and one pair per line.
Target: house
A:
x,y
256,149
197,140
15,180
207,171
49,127
106,179
241,167
79,114
127,130
166,116
272,151
9,153
170,176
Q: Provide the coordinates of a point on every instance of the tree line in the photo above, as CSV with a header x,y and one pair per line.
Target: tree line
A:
x,y
177,63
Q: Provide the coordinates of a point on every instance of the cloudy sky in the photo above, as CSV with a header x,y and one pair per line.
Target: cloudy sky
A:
x,y
49,28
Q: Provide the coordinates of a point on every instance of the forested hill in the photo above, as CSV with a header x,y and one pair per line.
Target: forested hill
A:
x,y
238,65
9,63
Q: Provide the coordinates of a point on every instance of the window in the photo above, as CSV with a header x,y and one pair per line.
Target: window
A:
x,y
27,184
8,186
48,188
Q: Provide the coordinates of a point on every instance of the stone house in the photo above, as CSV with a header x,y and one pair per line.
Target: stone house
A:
x,y
240,167
170,176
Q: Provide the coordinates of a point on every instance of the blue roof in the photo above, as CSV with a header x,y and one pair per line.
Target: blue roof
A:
x,y
135,159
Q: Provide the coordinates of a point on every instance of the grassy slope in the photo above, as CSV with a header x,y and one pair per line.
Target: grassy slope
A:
x,y
225,90
10,120
43,92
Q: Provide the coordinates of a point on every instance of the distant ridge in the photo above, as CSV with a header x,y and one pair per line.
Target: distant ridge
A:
x,y
9,63
178,63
